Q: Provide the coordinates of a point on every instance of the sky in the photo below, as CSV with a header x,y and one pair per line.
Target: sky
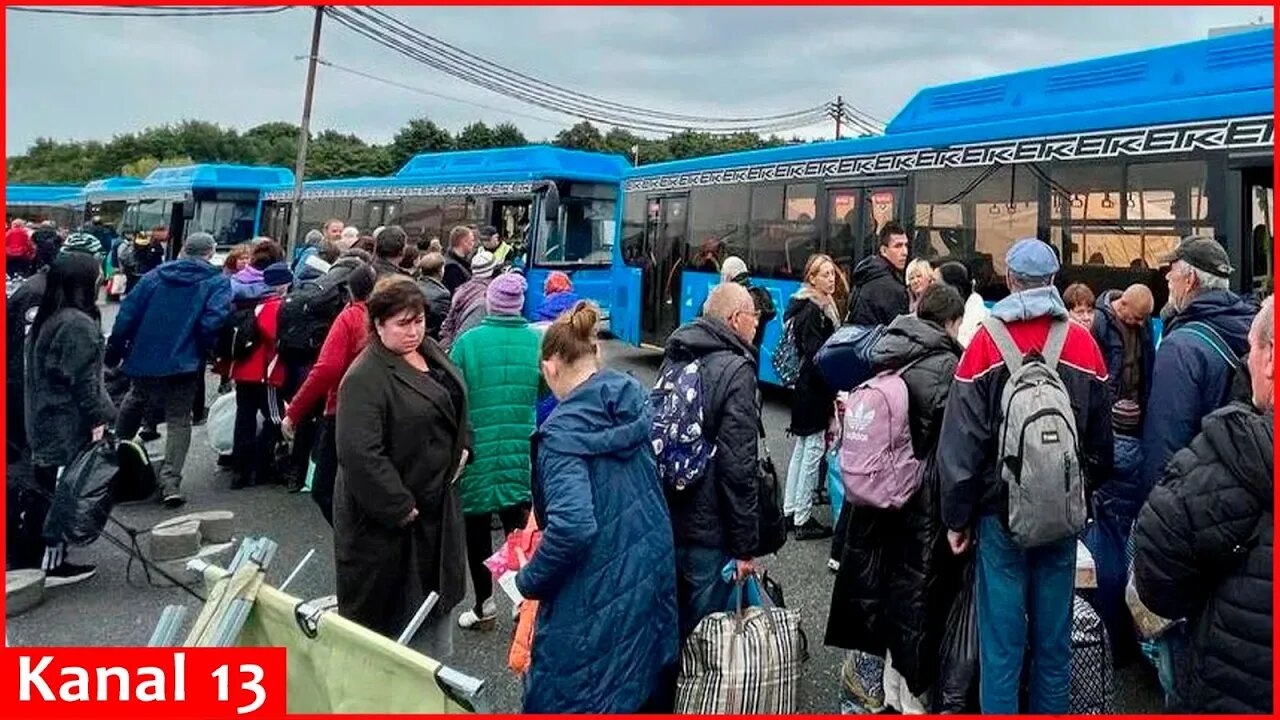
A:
x,y
92,78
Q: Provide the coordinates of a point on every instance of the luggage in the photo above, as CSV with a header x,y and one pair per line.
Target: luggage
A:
x,y
743,662
105,472
307,313
773,524
956,691
240,336
845,358
1092,674
1039,449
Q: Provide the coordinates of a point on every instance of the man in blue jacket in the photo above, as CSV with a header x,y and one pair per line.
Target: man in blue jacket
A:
x,y
164,331
1199,354
1122,326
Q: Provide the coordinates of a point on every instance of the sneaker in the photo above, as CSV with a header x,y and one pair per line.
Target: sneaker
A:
x,y
173,499
68,574
469,620
833,565
812,530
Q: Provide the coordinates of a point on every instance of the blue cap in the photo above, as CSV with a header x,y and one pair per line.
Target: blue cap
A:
x,y
1032,257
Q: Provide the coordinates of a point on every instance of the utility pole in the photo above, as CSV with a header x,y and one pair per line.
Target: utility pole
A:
x,y
839,113
304,132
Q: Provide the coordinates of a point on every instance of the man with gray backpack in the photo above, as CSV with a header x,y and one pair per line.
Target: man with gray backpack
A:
x,y
1026,435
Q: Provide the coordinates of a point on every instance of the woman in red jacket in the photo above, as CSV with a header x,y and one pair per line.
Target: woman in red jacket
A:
x,y
258,379
344,343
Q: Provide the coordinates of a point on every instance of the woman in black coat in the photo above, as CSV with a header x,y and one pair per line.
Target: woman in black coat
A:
x,y
813,316
67,406
897,575
402,434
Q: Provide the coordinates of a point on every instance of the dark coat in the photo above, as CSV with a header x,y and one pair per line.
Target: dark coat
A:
x,y
439,300
812,401
721,509
1190,380
1203,551
65,394
168,324
605,571
897,575
1109,332
457,270
879,293
400,437
385,268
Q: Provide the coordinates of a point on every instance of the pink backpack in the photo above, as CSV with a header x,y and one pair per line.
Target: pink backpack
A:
x,y
877,463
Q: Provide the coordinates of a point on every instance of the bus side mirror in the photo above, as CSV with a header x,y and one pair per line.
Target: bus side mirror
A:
x,y
551,203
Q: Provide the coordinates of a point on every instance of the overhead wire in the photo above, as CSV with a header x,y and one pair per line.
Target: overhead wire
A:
x,y
153,11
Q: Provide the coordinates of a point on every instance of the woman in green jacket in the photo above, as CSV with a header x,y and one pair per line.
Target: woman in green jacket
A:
x,y
499,362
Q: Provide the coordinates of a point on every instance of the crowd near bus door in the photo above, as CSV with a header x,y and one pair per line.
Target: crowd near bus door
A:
x,y
665,236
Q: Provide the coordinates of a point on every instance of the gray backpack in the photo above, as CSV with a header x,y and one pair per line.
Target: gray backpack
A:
x,y
1039,447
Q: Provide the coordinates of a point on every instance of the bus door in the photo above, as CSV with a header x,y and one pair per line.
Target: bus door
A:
x,y
666,233
381,213
854,215
1258,231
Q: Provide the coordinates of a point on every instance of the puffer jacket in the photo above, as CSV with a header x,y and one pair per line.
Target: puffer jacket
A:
x,y
879,293
971,483
897,575
605,571
555,305
1190,379
499,363
721,509
1203,551
1109,332
65,394
248,285
812,401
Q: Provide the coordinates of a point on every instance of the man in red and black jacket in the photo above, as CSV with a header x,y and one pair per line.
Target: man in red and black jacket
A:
x,y
1024,596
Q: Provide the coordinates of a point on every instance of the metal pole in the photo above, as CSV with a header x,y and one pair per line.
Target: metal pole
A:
x,y
304,132
839,113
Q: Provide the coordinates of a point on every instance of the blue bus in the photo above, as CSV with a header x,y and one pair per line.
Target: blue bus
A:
x,y
222,200
1110,160
559,205
61,204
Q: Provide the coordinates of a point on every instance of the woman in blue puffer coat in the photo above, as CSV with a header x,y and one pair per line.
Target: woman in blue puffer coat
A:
x,y
604,572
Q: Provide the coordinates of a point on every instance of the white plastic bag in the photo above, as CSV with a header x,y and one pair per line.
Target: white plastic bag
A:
x,y
221,426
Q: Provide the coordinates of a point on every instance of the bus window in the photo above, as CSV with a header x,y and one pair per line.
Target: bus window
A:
x,y
420,216
316,212
717,227
585,231
228,222
633,223
842,215
1262,237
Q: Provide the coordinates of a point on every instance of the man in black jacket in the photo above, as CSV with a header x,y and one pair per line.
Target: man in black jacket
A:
x,y
457,260
1203,546
716,518
389,251
879,290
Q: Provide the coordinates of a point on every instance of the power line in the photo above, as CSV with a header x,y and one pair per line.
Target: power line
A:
x,y
155,11
393,36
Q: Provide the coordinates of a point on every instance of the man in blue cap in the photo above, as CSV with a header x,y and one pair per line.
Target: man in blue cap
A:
x,y
1024,593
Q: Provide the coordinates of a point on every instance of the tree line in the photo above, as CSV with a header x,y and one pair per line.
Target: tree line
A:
x,y
333,154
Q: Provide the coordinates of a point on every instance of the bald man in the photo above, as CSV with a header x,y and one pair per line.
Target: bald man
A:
x,y
1122,326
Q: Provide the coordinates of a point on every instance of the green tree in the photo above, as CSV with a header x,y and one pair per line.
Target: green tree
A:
x,y
273,143
583,136
476,136
418,136
335,155
507,135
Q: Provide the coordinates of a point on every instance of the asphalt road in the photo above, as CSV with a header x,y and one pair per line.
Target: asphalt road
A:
x,y
109,610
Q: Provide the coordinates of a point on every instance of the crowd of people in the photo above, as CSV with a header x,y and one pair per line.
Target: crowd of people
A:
x,y
407,383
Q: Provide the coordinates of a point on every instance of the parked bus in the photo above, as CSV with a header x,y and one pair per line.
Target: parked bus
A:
x,y
222,200
61,204
1111,161
559,205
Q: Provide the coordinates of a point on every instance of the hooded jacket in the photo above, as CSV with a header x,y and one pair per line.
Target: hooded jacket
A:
x,y
813,401
1203,551
971,483
1109,332
897,576
879,293
721,509
247,286
555,305
467,309
1190,379
65,394
605,570
169,323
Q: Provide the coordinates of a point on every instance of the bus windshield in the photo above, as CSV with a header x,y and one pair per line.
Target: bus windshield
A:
x,y
584,233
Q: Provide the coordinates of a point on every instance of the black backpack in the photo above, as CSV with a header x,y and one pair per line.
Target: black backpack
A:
x,y
308,312
240,336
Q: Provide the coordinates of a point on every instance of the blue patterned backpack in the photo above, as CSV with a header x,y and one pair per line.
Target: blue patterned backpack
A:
x,y
682,451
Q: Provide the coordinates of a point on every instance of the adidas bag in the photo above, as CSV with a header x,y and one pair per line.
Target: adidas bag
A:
x,y
786,357
877,463
682,451
1039,456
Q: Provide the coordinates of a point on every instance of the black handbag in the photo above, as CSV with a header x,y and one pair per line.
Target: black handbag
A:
x,y
773,526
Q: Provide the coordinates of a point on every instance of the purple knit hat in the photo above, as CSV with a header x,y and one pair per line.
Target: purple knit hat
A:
x,y
505,294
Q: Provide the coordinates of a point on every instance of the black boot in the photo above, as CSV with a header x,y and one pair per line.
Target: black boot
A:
x,y
813,530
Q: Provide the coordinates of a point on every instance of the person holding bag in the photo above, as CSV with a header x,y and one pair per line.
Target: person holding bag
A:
x,y
604,572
